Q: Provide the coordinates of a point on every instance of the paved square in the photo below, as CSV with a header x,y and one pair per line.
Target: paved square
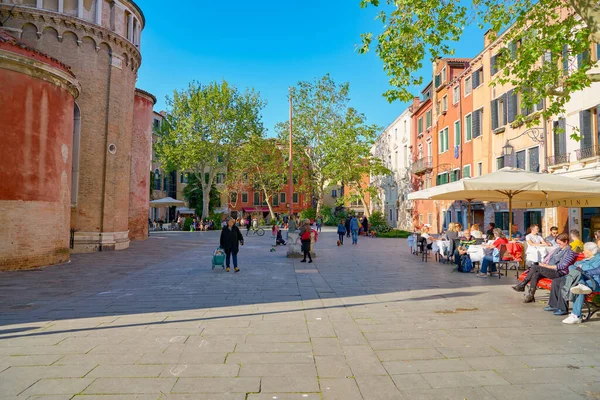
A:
x,y
362,322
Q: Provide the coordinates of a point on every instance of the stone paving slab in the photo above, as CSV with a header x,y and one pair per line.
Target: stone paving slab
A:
x,y
155,322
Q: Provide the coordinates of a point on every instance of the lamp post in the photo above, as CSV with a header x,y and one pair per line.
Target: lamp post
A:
x,y
291,172
507,152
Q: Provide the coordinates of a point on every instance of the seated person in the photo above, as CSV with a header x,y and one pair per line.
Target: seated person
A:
x,y
489,260
553,234
279,239
425,235
516,234
463,245
534,238
490,231
576,243
583,277
597,237
475,232
555,265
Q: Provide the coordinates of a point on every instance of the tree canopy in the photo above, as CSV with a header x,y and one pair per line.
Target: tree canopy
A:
x,y
203,127
547,42
260,162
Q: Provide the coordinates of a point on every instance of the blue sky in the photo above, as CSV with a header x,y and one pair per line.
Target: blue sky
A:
x,y
269,45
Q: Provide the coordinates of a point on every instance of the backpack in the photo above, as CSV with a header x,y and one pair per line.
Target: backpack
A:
x,y
466,264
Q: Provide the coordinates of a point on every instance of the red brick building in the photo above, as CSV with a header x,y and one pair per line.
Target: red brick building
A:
x,y
423,155
247,200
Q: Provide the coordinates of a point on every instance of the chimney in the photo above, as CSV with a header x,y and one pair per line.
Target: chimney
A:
x,y
488,38
416,103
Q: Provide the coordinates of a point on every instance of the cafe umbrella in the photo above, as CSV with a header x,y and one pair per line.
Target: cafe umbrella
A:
x,y
511,184
167,202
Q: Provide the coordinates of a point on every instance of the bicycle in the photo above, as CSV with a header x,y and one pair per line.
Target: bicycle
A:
x,y
255,231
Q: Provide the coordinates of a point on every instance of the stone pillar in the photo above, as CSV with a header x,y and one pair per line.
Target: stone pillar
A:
x,y
130,27
98,11
80,9
141,155
40,4
61,6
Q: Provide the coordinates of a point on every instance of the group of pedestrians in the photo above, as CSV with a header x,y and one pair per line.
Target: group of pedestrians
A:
x,y
350,227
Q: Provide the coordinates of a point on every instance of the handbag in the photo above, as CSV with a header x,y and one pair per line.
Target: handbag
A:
x,y
305,236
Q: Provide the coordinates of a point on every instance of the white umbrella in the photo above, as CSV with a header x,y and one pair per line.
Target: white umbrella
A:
x,y
166,202
511,184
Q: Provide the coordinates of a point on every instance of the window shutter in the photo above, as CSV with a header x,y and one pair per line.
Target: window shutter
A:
x,y
555,129
476,123
475,79
437,81
565,60
493,69
498,219
583,58
512,106
504,108
494,108
548,57
562,124
585,126
469,127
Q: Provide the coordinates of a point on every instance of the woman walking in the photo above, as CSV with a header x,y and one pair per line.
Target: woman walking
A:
x,y
341,232
231,238
305,238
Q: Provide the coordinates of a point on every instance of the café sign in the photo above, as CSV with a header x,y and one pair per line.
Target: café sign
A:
x,y
566,203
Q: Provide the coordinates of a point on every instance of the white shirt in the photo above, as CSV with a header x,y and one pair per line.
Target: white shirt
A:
x,y
476,234
535,239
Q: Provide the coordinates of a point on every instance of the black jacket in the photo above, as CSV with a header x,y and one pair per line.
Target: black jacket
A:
x,y
231,238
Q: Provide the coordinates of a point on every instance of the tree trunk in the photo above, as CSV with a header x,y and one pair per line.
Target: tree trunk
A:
x,y
205,200
268,200
364,203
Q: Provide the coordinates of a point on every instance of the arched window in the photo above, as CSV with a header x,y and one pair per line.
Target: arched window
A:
x,y
75,152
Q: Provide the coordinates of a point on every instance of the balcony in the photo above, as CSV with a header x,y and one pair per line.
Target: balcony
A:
x,y
559,159
587,152
422,165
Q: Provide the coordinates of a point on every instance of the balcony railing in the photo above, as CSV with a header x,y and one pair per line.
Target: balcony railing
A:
x,y
559,159
422,165
587,152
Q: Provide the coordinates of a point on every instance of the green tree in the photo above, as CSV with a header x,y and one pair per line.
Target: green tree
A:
x,y
261,162
318,108
193,193
203,126
352,161
538,36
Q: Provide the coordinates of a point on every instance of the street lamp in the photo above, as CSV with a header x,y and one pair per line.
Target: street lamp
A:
x,y
507,152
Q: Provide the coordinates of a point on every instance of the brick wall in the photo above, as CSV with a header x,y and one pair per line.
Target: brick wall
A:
x,y
141,145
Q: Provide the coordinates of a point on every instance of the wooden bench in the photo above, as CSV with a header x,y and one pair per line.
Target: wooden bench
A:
x,y
591,303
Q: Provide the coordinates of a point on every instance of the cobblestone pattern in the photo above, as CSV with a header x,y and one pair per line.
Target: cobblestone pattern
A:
x,y
363,322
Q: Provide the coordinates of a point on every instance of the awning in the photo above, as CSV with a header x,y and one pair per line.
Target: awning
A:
x,y
255,209
185,210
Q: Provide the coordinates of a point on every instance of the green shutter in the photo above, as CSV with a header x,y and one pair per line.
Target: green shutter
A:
x,y
469,127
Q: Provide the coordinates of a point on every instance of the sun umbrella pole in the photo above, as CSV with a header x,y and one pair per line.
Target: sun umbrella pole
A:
x,y
470,216
510,219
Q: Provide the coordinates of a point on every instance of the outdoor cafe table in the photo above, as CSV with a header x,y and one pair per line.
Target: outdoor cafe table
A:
x,y
441,246
536,253
476,252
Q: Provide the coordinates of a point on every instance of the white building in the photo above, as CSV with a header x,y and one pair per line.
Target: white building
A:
x,y
393,147
578,159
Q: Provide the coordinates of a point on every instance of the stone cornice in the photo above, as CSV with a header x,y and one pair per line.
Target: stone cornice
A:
x,y
36,14
37,69
147,95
